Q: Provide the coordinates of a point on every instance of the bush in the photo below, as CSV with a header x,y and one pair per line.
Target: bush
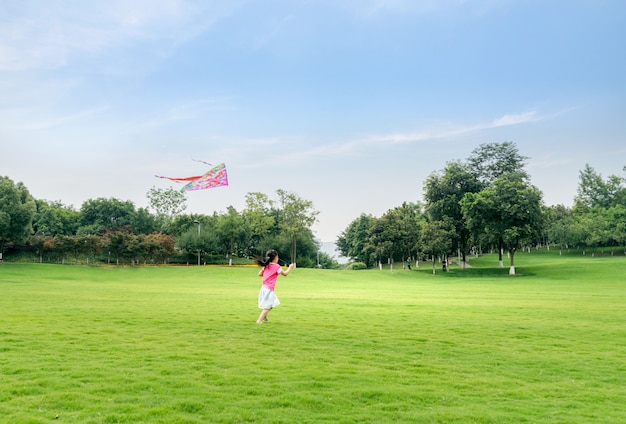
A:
x,y
356,266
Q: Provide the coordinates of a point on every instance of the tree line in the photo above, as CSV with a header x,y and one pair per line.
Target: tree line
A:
x,y
483,202
488,202
115,231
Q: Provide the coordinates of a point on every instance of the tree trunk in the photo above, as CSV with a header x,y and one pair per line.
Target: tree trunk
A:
x,y
512,268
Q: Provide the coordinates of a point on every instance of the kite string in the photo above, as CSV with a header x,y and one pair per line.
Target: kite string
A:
x,y
201,161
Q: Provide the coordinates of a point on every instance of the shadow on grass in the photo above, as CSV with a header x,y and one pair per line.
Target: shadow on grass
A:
x,y
474,272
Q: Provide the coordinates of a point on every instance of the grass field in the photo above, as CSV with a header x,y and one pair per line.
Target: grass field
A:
x,y
180,344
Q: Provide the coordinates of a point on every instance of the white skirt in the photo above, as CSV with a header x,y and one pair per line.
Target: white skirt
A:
x,y
267,298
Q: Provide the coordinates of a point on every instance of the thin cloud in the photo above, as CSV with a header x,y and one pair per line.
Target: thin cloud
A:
x,y
515,119
264,40
41,35
56,121
433,134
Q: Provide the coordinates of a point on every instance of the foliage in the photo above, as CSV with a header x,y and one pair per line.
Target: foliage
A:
x,y
443,192
491,161
593,191
509,208
54,218
352,266
352,242
295,216
99,214
436,239
259,221
17,210
167,205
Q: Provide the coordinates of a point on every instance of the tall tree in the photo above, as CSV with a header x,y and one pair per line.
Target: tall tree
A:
x,y
388,235
258,221
558,225
593,190
509,208
231,231
490,161
296,215
443,192
17,210
166,204
352,242
436,239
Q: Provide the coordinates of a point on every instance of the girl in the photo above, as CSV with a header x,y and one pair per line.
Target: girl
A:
x,y
269,272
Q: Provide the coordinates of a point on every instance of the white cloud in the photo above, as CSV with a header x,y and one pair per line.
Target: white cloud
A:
x,y
514,119
55,121
439,133
43,35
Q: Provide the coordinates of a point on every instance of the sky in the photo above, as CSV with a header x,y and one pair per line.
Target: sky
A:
x,y
349,104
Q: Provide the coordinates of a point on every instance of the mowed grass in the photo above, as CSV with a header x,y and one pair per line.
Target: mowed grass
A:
x,y
180,344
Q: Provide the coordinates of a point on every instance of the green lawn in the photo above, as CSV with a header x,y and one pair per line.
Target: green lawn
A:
x,y
180,344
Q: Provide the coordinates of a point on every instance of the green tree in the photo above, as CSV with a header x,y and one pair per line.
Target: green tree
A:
x,y
388,236
17,210
490,161
510,208
231,232
559,221
54,218
166,204
101,213
593,190
258,221
296,216
353,241
144,222
436,240
617,218
443,192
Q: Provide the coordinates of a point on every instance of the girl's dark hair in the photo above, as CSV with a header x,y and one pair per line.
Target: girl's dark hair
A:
x,y
269,257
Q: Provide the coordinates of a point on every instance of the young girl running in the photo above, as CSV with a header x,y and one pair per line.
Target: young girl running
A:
x,y
269,272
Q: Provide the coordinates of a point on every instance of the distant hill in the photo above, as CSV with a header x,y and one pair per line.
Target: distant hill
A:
x,y
330,248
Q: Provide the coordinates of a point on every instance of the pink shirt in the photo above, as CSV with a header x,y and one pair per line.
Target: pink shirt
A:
x,y
270,275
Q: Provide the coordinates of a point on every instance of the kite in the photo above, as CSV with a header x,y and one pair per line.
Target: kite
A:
x,y
215,177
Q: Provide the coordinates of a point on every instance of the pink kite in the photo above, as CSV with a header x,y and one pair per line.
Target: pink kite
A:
x,y
215,177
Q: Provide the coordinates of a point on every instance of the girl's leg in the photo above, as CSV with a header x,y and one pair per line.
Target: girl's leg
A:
x,y
263,316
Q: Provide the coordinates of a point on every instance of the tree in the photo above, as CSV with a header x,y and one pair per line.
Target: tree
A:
x,y
617,217
387,236
352,242
510,208
296,215
559,222
258,221
231,231
17,210
143,222
167,204
101,213
594,191
436,239
443,193
54,218
492,160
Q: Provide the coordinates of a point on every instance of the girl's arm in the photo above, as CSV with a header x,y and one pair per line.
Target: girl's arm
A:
x,y
289,268
261,272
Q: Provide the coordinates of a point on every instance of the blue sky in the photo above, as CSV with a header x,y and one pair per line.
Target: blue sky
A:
x,y
350,104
